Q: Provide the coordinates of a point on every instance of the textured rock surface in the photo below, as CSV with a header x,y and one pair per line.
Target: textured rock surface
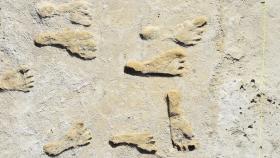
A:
x,y
229,79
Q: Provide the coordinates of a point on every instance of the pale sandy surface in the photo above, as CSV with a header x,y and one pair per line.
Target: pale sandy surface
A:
x,y
99,93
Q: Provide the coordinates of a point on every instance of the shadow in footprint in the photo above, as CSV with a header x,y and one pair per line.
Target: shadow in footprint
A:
x,y
55,155
142,151
182,44
131,71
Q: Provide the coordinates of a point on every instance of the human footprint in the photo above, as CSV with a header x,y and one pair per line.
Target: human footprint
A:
x,y
189,33
78,42
169,63
144,142
77,11
181,130
78,135
16,80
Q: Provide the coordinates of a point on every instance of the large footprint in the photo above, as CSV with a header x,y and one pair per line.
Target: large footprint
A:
x,y
142,141
77,42
181,130
169,63
189,33
78,135
77,11
16,80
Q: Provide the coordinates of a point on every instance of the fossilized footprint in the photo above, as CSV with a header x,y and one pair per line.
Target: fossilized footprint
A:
x,y
77,42
142,141
78,135
181,130
169,63
189,33
150,32
77,11
16,80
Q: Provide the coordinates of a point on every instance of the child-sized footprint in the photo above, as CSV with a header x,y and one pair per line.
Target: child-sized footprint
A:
x,y
189,33
16,80
78,135
142,141
76,42
181,130
77,11
169,63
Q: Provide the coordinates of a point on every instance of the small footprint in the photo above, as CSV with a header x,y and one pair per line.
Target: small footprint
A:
x,y
150,33
167,64
189,33
77,11
76,42
181,130
78,135
16,80
144,142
